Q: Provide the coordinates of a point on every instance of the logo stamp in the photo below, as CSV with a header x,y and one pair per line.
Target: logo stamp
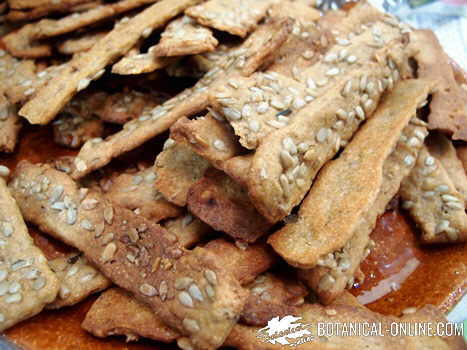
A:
x,y
286,331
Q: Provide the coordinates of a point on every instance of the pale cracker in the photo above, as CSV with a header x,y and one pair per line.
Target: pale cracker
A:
x,y
261,45
26,282
80,44
137,255
78,279
81,70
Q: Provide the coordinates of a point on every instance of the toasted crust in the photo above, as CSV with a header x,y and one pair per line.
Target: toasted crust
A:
x,y
237,18
209,137
137,192
80,44
78,279
259,46
27,283
434,202
224,205
81,70
10,125
183,36
178,168
159,262
448,109
72,130
344,192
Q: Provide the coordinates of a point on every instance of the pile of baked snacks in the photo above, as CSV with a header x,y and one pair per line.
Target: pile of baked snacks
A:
x,y
287,133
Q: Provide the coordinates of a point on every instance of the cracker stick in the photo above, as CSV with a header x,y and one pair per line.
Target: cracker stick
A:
x,y
32,4
210,138
189,290
26,282
80,44
80,71
10,125
178,168
225,206
21,42
433,201
237,18
183,36
284,165
137,192
78,279
139,63
347,189
245,265
448,109
443,150
188,229
72,130
260,46
336,270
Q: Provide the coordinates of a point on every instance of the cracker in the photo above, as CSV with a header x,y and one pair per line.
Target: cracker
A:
x,y
21,42
72,130
27,284
10,125
81,70
297,10
141,322
183,36
139,63
433,201
448,109
462,155
237,18
287,160
272,296
260,45
78,279
137,255
443,150
188,229
225,206
209,137
80,44
32,4
178,168
37,12
347,188
137,192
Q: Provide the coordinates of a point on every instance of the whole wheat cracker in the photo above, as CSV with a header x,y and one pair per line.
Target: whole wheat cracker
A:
x,y
27,284
137,255
178,168
183,36
433,201
260,46
78,279
346,188
225,206
10,125
81,70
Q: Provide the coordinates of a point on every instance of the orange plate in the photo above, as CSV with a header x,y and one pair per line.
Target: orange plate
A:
x,y
421,275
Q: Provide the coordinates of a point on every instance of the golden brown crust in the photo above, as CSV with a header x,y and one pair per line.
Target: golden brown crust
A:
x,y
78,279
80,44
27,284
178,168
225,206
137,255
448,109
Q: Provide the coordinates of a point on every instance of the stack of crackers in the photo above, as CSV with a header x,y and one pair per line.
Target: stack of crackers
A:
x,y
286,133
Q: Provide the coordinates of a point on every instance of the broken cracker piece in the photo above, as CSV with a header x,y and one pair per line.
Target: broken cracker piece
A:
x,y
209,137
137,192
138,63
433,201
224,205
72,130
26,282
237,18
448,107
111,237
10,125
80,44
183,36
78,279
188,229
178,168
260,46
81,70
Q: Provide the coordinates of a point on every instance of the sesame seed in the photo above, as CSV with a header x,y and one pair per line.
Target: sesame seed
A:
x,y
342,114
442,226
14,287
299,103
322,134
80,164
360,113
407,204
276,124
183,283
191,325
455,205
83,84
185,299
231,114
3,274
342,42
413,142
442,188
333,72
39,283
163,289
409,160
14,298
108,214
428,194
330,57
254,125
262,107
6,228
331,312
286,159
195,292
347,88
72,271
146,32
219,145
308,54
89,204
351,59
449,198
429,161
108,252
310,83
148,290
87,225
184,343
